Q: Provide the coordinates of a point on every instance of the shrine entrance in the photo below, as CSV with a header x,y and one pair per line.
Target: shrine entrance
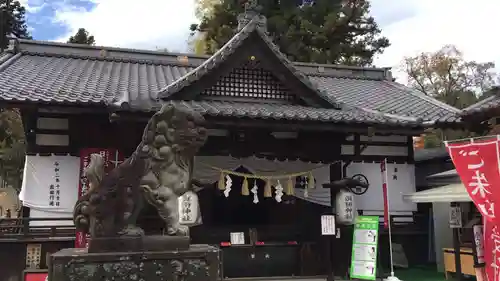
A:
x,y
259,236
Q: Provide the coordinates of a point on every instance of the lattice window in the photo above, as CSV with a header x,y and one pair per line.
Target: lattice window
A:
x,y
250,81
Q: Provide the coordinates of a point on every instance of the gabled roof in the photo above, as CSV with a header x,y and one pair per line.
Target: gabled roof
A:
x,y
252,30
117,78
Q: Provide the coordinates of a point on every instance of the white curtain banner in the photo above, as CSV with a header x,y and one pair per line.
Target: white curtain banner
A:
x,y
50,183
36,213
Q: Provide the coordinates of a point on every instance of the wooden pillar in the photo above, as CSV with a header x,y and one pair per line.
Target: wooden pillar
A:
x,y
334,255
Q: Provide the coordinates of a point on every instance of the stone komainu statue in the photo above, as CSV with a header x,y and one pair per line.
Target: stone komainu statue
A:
x,y
158,172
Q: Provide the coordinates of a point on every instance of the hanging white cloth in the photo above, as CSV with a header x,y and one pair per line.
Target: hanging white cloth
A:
x,y
37,213
50,183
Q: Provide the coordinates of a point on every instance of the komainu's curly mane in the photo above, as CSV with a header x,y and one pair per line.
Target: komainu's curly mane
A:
x,y
170,140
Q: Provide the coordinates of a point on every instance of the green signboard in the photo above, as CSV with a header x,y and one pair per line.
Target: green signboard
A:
x,y
364,248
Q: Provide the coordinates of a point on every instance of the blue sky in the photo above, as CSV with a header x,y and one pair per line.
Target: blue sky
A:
x,y
412,26
148,24
41,16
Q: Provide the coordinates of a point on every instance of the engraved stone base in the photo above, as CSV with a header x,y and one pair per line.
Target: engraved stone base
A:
x,y
153,243
199,262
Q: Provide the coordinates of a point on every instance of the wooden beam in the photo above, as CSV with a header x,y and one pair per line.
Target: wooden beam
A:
x,y
61,108
286,125
28,117
308,126
262,144
377,159
411,151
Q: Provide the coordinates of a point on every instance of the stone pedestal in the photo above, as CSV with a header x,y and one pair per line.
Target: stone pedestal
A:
x,y
199,262
152,243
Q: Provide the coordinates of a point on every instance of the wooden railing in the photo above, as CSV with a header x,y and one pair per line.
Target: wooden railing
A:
x,y
63,227
55,227
36,227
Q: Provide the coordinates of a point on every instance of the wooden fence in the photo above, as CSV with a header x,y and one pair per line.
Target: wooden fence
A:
x,y
16,228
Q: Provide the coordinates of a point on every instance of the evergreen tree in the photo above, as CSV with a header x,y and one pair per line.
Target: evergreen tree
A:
x,y
12,22
326,31
82,36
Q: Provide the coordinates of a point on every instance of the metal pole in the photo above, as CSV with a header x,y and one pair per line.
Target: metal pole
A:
x,y
389,218
476,138
456,247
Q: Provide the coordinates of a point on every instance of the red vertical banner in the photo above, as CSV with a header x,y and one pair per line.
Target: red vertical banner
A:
x,y
477,164
112,158
383,171
491,250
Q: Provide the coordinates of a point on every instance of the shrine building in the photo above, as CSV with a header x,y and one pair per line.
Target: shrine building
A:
x,y
265,115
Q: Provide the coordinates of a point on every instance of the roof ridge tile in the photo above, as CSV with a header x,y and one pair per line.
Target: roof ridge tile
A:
x,y
107,58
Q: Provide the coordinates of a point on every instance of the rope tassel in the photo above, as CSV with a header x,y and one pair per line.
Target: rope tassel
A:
x,y
222,182
310,181
268,190
244,188
290,190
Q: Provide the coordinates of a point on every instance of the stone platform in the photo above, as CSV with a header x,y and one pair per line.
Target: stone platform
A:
x,y
199,262
152,243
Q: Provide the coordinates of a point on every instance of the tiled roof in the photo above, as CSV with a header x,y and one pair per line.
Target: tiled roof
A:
x,y
79,80
75,79
65,73
489,103
388,97
348,115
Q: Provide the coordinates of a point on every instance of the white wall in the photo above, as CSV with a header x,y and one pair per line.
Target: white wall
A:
x,y
401,180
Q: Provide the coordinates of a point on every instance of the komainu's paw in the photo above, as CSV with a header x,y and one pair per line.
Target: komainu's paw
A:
x,y
132,230
180,230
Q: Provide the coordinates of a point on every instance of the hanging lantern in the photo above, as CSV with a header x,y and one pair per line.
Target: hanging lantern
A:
x,y
345,207
189,209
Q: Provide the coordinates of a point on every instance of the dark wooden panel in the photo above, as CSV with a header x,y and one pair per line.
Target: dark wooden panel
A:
x,y
29,123
375,143
378,159
307,146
